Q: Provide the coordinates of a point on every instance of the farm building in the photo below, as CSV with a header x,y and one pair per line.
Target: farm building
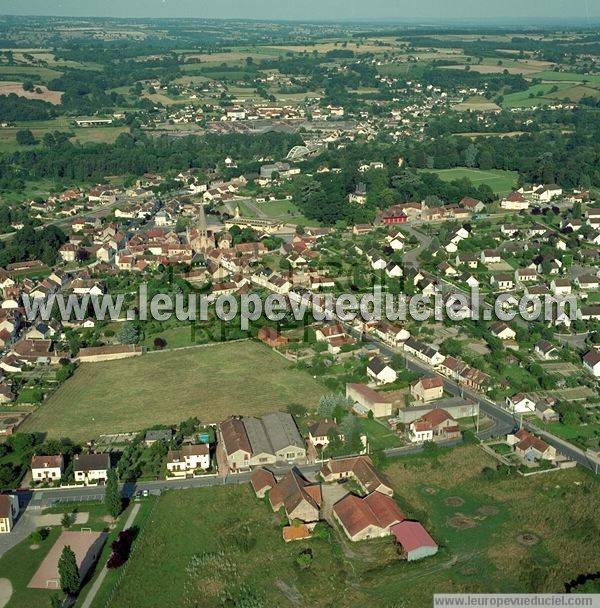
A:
x,y
414,540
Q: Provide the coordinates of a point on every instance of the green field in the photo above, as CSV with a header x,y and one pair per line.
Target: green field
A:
x,y
237,543
167,387
543,94
16,72
8,141
567,76
202,544
499,181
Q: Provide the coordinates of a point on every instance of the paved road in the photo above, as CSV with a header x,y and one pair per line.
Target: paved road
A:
x,y
504,421
22,528
38,499
411,257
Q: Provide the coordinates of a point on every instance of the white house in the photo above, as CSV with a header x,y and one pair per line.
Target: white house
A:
x,y
397,243
9,509
561,287
587,281
188,459
379,371
394,270
515,201
47,468
419,432
591,361
502,331
520,404
91,468
545,350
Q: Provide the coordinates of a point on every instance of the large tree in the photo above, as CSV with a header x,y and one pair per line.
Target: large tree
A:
x,y
68,571
112,496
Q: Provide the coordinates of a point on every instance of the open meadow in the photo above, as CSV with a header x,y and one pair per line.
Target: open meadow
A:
x,y
167,387
511,534
499,181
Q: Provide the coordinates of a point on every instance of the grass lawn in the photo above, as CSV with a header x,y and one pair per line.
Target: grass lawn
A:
x,y
175,337
584,436
499,181
380,437
286,211
540,94
14,72
141,519
167,387
202,544
477,524
8,136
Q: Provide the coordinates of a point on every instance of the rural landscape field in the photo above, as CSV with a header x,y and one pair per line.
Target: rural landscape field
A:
x,y
299,303
491,538
209,383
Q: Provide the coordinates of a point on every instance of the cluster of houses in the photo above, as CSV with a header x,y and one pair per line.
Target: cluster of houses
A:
x,y
541,406
88,469
372,514
451,367
530,448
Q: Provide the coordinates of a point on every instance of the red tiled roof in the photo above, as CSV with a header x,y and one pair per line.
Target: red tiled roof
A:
x,y
376,509
412,535
46,462
261,479
431,382
437,416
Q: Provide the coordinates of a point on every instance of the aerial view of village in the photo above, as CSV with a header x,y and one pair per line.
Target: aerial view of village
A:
x,y
299,307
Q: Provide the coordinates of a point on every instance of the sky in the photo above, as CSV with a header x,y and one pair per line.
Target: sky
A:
x,y
425,11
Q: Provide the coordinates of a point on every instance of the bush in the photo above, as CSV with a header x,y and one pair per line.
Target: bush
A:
x,y
159,343
304,560
68,519
25,137
38,536
121,549
322,531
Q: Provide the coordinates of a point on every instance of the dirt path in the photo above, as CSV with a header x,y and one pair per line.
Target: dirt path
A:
x,y
55,519
5,591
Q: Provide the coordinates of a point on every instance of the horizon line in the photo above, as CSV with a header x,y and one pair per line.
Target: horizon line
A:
x,y
533,22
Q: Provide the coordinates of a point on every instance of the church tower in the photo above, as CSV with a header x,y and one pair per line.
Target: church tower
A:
x,y
198,236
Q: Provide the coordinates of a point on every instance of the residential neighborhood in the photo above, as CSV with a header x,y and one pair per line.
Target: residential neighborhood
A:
x,y
298,308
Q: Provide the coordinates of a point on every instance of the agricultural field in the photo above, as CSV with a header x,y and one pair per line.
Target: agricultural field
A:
x,y
18,72
551,76
53,97
83,135
207,542
476,103
493,65
544,94
167,387
499,181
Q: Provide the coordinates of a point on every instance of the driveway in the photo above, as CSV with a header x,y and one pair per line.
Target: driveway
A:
x,y
332,493
22,528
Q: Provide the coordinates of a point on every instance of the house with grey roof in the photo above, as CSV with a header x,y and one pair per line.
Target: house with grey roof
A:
x,y
270,439
91,468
